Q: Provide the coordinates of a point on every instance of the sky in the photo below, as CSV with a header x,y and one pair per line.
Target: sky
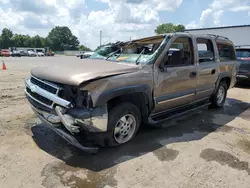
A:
x,y
118,19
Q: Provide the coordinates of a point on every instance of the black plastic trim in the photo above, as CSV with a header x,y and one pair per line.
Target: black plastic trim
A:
x,y
174,95
110,94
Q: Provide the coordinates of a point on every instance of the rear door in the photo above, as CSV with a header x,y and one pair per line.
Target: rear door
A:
x,y
207,68
175,76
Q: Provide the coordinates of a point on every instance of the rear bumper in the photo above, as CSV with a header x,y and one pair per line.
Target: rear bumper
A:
x,y
64,134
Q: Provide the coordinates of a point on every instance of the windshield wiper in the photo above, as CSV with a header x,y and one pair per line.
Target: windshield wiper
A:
x,y
111,54
137,63
124,49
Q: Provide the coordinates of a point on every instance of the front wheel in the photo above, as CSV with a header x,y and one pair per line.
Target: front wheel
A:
x,y
219,98
123,123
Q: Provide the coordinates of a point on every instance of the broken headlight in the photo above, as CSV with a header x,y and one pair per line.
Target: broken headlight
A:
x,y
77,97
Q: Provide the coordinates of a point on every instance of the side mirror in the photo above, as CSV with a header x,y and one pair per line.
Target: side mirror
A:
x,y
167,58
162,68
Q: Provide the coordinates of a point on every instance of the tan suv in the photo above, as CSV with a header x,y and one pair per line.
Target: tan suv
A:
x,y
125,85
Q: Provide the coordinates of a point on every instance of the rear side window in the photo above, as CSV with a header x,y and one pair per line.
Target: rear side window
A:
x,y
205,50
226,52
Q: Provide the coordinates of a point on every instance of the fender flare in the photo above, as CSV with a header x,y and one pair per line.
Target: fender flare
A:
x,y
113,93
220,77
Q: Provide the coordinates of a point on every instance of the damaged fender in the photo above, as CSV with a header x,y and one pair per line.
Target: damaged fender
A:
x,y
92,120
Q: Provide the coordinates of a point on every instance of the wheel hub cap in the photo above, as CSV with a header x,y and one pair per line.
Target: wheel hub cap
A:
x,y
220,94
125,128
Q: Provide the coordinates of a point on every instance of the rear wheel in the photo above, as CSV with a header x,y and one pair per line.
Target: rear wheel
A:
x,y
123,123
219,98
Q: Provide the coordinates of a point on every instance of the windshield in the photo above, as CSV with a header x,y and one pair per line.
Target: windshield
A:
x,y
103,52
243,53
134,52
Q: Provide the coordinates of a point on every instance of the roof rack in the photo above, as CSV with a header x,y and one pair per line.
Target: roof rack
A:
x,y
239,46
217,36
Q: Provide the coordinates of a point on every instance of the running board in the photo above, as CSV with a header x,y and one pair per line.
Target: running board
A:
x,y
173,114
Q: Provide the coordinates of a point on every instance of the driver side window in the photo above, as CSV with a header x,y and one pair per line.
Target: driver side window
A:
x,y
180,53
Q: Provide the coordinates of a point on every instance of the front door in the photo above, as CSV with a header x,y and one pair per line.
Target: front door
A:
x,y
175,79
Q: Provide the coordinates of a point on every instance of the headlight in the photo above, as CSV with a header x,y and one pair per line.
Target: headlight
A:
x,y
76,96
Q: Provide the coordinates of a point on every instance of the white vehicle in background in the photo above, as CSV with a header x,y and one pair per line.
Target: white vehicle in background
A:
x,y
79,53
86,55
31,53
40,54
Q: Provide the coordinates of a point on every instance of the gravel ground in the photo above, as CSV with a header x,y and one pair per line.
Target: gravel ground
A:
x,y
208,148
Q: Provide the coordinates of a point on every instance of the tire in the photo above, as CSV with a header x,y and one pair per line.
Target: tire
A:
x,y
115,126
219,98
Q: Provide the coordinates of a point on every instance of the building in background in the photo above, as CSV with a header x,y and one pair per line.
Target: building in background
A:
x,y
239,35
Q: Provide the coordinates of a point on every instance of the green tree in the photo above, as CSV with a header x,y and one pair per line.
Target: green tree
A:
x,y
84,48
169,28
6,38
61,38
27,42
36,42
18,40
44,42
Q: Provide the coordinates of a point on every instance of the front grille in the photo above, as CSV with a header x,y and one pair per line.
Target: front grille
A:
x,y
43,85
39,97
45,93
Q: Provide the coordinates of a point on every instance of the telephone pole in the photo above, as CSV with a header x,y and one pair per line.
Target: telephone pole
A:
x,y
100,37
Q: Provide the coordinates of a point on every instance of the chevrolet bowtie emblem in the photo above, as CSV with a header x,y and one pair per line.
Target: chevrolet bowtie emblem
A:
x,y
33,88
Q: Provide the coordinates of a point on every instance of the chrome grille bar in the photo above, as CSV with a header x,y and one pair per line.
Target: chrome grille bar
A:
x,y
46,94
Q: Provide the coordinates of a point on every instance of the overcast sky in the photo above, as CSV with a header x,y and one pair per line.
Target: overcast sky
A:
x,y
118,19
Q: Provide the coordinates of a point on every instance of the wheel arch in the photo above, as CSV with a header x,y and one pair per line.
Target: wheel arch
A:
x,y
139,95
226,78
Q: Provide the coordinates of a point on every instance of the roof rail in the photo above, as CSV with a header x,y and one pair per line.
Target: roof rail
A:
x,y
239,46
217,36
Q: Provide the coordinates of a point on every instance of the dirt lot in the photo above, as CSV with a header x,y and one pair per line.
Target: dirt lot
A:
x,y
209,148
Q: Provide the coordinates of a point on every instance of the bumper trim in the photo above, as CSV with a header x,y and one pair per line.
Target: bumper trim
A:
x,y
66,136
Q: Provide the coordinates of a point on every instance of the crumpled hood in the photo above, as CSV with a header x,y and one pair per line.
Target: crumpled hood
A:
x,y
75,73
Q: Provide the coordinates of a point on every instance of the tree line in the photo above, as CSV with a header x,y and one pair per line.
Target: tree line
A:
x,y
61,38
58,39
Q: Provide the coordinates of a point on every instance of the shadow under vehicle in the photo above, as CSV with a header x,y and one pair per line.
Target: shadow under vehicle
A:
x,y
193,126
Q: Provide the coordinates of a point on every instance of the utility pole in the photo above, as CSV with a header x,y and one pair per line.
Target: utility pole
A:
x,y
100,37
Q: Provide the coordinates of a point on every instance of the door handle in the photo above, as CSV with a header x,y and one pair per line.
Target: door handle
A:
x,y
213,71
193,74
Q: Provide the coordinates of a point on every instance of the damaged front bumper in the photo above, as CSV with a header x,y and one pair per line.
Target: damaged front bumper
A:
x,y
64,134
60,112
